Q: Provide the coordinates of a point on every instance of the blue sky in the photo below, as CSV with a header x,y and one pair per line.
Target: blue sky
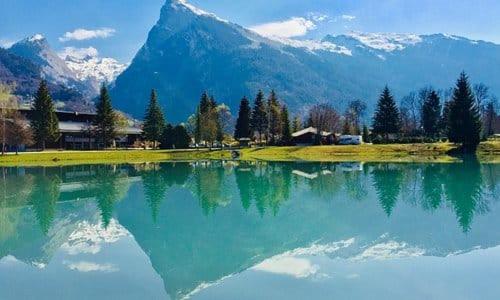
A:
x,y
118,28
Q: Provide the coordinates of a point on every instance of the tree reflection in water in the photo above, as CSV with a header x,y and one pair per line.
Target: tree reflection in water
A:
x,y
264,186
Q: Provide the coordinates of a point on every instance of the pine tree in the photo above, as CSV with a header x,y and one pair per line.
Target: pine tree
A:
x,y
45,123
386,120
197,127
168,138
445,116
431,114
259,120
242,129
464,124
154,121
104,121
286,136
274,118
182,138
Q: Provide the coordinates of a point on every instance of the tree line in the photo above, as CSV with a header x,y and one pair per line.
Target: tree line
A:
x,y
466,115
462,118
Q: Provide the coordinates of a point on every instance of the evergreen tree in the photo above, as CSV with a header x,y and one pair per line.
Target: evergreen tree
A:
x,y
464,124
182,140
275,122
104,121
45,123
445,116
243,122
286,135
386,120
168,138
197,127
259,120
431,114
154,121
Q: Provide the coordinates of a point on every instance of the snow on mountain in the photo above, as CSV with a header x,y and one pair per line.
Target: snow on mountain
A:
x,y
314,45
37,49
89,66
386,41
189,51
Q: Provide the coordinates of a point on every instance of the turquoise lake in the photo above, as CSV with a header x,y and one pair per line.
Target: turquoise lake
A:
x,y
234,230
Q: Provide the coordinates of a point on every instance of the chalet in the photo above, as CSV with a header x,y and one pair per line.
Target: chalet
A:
x,y
309,136
75,130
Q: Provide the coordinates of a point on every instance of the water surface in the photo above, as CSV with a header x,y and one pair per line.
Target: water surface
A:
x,y
229,230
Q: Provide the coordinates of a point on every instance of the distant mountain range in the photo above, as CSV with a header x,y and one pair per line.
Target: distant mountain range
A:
x,y
189,51
73,77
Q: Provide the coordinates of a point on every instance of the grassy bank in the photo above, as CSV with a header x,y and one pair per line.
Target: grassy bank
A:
x,y
438,152
487,152
57,158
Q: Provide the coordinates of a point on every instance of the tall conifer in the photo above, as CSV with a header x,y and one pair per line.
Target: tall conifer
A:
x,y
431,114
286,136
242,129
259,115
464,124
386,120
274,118
154,121
45,123
104,121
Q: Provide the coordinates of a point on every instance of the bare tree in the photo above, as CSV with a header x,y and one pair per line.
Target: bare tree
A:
x,y
324,118
225,118
8,104
481,95
356,110
19,131
410,113
411,110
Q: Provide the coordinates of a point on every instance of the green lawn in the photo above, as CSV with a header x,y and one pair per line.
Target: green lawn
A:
x,y
487,152
56,158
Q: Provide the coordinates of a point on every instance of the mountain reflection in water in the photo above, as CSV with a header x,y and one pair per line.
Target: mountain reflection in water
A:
x,y
198,223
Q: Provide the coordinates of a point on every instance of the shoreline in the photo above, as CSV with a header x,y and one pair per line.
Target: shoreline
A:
x,y
488,152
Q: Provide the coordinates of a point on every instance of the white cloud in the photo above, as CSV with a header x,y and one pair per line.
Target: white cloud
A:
x,y
81,34
86,267
293,27
79,53
348,18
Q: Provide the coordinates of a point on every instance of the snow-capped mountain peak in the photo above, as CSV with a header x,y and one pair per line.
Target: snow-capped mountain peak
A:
x,y
386,41
36,37
87,64
194,9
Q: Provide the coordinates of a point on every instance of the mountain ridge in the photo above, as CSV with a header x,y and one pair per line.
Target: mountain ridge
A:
x,y
189,51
